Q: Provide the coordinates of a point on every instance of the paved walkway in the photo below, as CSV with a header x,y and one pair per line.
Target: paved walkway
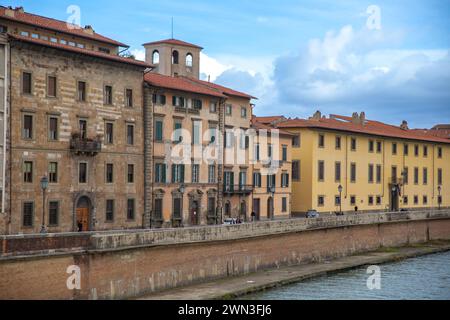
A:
x,y
241,285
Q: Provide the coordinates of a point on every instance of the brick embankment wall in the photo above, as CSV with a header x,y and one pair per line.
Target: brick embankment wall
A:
x,y
129,264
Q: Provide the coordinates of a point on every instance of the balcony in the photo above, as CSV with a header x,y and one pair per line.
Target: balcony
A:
x,y
237,189
85,147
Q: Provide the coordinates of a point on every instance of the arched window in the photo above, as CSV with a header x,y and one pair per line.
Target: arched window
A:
x,y
155,57
175,56
189,60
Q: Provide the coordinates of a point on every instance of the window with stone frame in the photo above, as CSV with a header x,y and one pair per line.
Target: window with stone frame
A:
x,y
296,170
28,172
109,173
81,91
27,83
195,173
53,128
108,95
284,204
130,173
321,170
131,208
129,98
82,172
53,213
28,127
177,207
51,86
160,173
109,212
130,134
28,214
109,133
53,172
212,173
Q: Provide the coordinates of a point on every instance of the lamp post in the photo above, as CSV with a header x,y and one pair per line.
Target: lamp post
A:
x,y
44,186
182,191
340,188
272,191
439,197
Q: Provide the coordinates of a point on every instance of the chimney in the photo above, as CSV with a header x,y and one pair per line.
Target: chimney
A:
x,y
317,116
362,118
9,12
355,118
89,30
404,125
20,9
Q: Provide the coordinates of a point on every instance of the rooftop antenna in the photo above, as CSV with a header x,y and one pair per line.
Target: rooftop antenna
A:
x,y
172,27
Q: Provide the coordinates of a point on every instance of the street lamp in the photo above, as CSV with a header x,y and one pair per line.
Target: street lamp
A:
x,y
439,197
272,191
44,186
340,188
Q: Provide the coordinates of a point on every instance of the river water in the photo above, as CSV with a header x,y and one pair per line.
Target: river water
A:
x,y
426,277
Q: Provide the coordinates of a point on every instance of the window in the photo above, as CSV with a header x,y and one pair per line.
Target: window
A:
x,y
129,98
53,129
53,172
243,112
83,129
406,175
72,44
158,207
51,86
405,200
104,50
229,138
228,109
394,174
159,130
284,153
352,200
82,172
338,143
196,132
284,204
53,213
425,200
177,173
296,170
416,175
155,57
228,180
243,178
257,154
28,172
416,150
28,214
439,177
405,149
378,200
269,151
370,200
285,180
371,145
80,45
177,131
109,210
321,141
81,91
425,176
160,173
24,33
108,95
27,130
440,152
296,142
54,40
109,173
337,200
130,209
211,173
321,170
425,151
212,133
178,101
416,200
213,107
177,208
353,172
197,104
189,60
159,99
337,171
195,173
320,201
3,29
353,144
130,134
35,36
26,83
370,175
378,173
130,173
379,147
109,133
394,148
175,57
257,180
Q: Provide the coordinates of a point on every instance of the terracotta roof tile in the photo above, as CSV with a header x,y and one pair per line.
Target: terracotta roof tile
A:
x,y
269,119
224,90
92,53
56,25
370,127
180,83
174,42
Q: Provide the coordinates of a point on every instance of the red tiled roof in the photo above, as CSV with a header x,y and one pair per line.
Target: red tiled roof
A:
x,y
92,53
224,90
179,83
55,25
174,42
370,127
261,126
269,119
441,133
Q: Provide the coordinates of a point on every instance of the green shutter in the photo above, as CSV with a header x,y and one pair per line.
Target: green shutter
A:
x,y
173,173
163,173
182,173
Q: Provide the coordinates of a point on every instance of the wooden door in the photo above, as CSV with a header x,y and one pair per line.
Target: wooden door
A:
x,y
257,208
83,219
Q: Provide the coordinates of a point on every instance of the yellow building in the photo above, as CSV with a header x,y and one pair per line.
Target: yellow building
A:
x,y
379,167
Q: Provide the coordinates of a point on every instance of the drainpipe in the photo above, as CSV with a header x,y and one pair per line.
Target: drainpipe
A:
x,y
5,124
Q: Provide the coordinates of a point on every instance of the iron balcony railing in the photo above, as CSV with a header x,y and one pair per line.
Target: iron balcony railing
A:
x,y
237,189
87,147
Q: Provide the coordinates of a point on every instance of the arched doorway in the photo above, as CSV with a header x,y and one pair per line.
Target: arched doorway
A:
x,y
243,211
194,212
228,209
270,208
83,214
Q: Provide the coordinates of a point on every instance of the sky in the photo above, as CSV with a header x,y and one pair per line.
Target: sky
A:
x,y
390,59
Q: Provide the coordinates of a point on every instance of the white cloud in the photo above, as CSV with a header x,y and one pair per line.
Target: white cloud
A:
x,y
210,67
139,54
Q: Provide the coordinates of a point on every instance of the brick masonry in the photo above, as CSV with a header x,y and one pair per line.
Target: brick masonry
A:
x,y
122,269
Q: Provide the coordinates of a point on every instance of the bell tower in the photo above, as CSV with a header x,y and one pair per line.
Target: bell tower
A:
x,y
174,58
